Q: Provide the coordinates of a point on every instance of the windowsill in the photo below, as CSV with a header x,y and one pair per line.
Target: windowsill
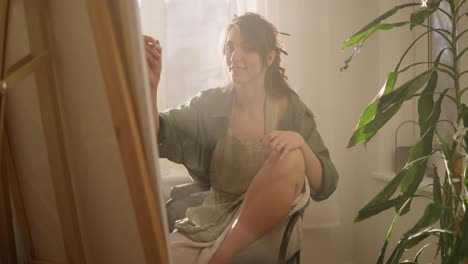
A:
x,y
425,186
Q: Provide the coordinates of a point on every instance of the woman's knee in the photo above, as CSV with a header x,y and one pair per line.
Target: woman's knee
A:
x,y
290,165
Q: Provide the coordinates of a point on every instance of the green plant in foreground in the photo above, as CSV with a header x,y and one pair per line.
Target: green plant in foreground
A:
x,y
445,217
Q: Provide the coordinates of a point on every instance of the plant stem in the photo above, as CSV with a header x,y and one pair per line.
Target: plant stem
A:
x,y
459,6
454,172
456,58
462,53
461,74
461,34
451,74
430,29
438,30
442,94
445,12
455,55
462,91
461,16
424,62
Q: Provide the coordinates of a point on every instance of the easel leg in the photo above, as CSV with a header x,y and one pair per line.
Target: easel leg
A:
x,y
7,240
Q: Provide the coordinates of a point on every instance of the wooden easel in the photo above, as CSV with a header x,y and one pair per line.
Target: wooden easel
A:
x,y
7,242
39,63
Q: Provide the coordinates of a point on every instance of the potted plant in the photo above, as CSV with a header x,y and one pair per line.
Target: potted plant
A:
x,y
445,217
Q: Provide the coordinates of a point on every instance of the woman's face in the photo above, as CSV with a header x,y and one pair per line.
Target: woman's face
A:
x,y
244,64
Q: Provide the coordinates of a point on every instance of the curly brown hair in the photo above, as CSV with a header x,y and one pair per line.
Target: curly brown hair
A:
x,y
263,36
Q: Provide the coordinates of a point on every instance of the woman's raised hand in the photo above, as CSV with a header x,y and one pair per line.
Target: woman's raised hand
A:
x,y
278,143
154,61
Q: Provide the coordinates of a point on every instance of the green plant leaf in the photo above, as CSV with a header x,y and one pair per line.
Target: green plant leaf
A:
x,y
418,17
415,175
446,220
413,241
418,160
457,252
431,214
426,101
369,112
404,92
376,204
416,257
464,229
447,152
406,210
385,106
434,4
440,249
373,209
410,177
373,26
403,245
368,131
361,38
465,120
408,242
416,172
465,181
424,147
436,193
389,233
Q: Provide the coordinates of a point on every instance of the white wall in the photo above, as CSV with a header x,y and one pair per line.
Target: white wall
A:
x,y
336,99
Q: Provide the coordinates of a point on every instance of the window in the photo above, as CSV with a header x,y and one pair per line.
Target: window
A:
x,y
193,57
190,30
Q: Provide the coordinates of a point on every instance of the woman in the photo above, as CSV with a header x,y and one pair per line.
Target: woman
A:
x,y
253,141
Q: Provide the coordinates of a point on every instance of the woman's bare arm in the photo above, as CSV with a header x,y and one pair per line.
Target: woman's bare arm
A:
x,y
154,61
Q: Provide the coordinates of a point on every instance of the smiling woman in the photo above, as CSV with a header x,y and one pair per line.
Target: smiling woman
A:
x,y
262,156
259,47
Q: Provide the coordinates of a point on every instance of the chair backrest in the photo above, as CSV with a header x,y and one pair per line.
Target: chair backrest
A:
x,y
288,231
181,197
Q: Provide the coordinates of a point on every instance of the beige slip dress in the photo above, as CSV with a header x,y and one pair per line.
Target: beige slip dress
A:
x,y
234,164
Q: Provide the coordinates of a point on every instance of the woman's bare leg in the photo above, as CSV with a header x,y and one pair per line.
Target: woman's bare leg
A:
x,y
267,203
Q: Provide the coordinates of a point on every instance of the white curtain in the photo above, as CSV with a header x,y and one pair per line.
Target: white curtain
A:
x,y
268,8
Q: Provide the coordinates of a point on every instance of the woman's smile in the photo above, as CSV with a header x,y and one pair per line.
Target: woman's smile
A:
x,y
237,68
